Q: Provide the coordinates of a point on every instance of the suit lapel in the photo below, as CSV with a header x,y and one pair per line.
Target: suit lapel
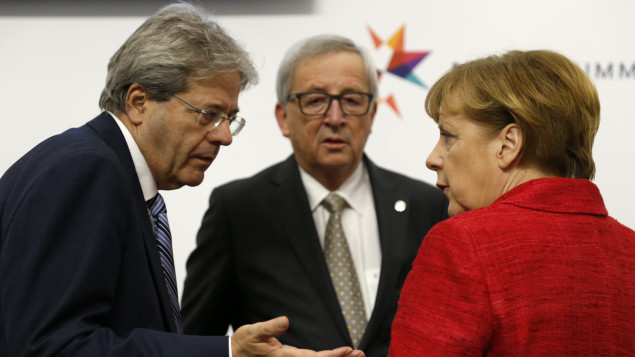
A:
x,y
111,134
391,224
288,199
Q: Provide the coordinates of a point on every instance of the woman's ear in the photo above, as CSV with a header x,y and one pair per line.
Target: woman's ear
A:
x,y
511,143
136,101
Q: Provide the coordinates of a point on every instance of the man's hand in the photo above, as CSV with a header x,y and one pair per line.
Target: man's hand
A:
x,y
259,339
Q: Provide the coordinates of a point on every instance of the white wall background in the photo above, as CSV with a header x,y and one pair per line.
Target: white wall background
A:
x,y
52,70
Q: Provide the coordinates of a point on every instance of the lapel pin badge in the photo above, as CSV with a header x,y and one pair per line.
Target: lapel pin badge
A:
x,y
400,206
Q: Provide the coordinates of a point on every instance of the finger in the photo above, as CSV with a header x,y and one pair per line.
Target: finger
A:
x,y
271,328
357,353
338,352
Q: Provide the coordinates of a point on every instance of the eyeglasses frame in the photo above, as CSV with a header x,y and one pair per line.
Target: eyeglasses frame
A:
x,y
332,97
240,120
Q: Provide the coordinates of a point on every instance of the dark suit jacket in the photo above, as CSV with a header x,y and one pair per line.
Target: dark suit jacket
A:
x,y
79,269
258,256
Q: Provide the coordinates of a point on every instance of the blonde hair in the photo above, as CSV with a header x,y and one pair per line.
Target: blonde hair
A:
x,y
548,96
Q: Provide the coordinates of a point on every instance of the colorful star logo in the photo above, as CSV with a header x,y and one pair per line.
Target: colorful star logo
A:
x,y
401,64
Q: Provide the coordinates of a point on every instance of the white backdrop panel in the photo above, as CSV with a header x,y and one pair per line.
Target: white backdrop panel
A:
x,y
53,69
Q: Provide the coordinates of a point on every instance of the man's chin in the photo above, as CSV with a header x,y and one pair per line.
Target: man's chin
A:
x,y
193,179
337,160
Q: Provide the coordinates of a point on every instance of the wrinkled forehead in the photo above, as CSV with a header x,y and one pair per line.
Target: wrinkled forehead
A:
x,y
339,68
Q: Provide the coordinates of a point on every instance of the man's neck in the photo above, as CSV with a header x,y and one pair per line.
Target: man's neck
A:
x,y
332,179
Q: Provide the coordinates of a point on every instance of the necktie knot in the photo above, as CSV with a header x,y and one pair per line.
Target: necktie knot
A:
x,y
156,205
333,203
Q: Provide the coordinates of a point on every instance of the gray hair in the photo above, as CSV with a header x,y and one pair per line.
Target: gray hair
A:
x,y
178,43
316,46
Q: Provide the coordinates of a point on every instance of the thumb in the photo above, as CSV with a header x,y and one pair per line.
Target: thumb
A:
x,y
273,328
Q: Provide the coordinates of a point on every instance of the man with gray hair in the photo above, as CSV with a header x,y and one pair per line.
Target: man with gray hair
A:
x,y
325,237
86,264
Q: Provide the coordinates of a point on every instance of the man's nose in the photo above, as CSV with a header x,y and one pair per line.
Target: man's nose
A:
x,y
334,115
220,134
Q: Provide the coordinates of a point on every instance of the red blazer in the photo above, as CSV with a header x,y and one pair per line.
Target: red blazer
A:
x,y
543,271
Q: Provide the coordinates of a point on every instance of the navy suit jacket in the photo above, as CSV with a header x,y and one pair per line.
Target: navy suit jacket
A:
x,y
258,256
79,269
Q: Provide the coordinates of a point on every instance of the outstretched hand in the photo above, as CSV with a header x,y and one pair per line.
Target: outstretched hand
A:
x,y
259,339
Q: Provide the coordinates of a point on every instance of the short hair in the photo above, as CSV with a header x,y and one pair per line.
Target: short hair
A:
x,y
178,43
316,46
548,96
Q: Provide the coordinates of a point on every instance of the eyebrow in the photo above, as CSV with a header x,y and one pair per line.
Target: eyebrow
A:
x,y
445,126
220,108
344,90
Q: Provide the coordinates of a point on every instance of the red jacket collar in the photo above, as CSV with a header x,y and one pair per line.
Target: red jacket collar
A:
x,y
557,194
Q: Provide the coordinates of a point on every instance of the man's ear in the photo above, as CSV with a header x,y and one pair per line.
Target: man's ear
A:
x,y
511,143
281,116
136,103
373,111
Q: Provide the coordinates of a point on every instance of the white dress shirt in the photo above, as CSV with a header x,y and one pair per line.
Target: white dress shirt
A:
x,y
359,220
148,184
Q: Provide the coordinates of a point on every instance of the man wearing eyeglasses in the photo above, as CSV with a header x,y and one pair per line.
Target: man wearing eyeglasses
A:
x,y
269,244
86,264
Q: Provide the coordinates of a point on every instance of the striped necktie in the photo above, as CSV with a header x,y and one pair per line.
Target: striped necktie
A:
x,y
342,270
164,243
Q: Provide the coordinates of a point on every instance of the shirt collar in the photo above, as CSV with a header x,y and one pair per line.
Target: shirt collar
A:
x,y
352,190
147,181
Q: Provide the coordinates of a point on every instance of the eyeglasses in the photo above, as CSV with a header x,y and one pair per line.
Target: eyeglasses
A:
x,y
215,118
318,103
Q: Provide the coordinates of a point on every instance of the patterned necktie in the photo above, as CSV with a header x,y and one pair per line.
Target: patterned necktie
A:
x,y
164,243
342,270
